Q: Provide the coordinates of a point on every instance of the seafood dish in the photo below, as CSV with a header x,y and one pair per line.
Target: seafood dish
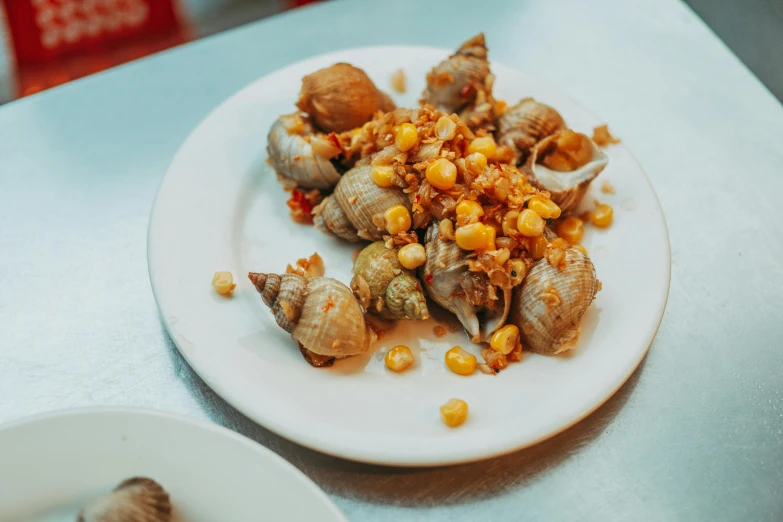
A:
x,y
464,202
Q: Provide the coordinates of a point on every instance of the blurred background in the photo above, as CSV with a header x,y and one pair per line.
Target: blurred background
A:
x,y
44,43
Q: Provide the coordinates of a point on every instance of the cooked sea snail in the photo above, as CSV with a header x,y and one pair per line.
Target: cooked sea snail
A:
x,y
564,164
341,97
300,154
549,305
134,500
525,124
462,81
384,287
469,295
320,312
355,210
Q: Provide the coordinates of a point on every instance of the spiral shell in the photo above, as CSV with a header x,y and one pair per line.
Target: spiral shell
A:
x,y
525,124
454,83
566,187
292,156
357,205
320,312
548,306
384,287
469,295
341,97
137,499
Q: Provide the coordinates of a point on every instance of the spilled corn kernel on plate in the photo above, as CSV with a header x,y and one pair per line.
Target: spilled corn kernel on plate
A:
x,y
220,208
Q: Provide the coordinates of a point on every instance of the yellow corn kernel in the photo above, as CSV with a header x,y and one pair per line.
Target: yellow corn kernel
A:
x,y
454,412
510,223
471,237
546,208
468,212
571,229
442,174
491,233
382,175
412,256
476,163
459,361
530,224
485,145
518,270
502,256
407,136
223,283
398,219
445,128
505,339
602,215
500,107
537,247
398,358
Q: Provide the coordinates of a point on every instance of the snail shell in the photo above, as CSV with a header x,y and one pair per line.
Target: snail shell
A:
x,y
548,306
449,282
320,312
525,124
453,83
566,187
137,499
292,156
356,205
384,287
341,97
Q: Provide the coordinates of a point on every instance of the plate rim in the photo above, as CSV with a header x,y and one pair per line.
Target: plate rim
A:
x,y
297,437
136,411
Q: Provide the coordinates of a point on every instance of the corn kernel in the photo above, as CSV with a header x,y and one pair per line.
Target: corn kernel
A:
x,y
571,229
500,107
536,246
510,223
442,174
445,128
518,270
491,233
471,237
602,216
223,283
407,136
382,175
468,212
505,339
459,361
454,412
398,219
485,145
582,249
398,358
476,163
546,208
530,224
412,256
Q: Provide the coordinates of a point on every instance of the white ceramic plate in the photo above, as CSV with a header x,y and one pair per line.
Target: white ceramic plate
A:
x,y
53,464
220,208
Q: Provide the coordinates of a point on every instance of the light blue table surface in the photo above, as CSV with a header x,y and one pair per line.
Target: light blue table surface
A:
x,y
696,433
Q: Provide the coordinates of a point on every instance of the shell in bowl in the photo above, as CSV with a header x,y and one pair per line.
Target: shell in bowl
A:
x,y
297,153
469,295
320,312
549,305
564,164
355,210
138,499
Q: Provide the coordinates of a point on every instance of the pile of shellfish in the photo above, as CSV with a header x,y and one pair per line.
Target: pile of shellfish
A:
x,y
328,155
